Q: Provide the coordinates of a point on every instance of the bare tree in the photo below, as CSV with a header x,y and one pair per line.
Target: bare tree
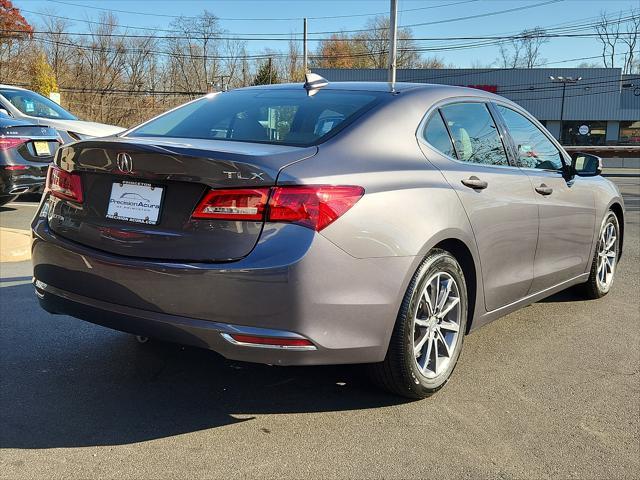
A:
x,y
630,39
373,44
609,36
295,69
523,50
193,52
619,38
589,65
431,62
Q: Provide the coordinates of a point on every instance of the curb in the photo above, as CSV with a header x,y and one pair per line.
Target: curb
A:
x,y
15,245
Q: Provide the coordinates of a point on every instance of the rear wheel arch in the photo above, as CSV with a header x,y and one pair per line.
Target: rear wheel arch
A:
x,y
464,257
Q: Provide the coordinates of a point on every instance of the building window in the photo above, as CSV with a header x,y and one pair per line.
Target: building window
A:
x,y
584,133
630,133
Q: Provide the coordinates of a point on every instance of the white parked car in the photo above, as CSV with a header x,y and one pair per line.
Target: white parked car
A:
x,y
24,104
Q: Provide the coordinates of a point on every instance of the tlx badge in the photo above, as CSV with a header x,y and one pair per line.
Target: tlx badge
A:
x,y
240,176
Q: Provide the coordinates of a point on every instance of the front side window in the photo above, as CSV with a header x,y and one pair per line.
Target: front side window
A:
x,y
534,149
436,134
278,116
475,135
35,105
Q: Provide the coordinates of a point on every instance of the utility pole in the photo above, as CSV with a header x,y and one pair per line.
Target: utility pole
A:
x,y
244,72
270,75
393,32
304,46
564,81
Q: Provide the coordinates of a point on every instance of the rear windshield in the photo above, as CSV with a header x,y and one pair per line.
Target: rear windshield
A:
x,y
287,117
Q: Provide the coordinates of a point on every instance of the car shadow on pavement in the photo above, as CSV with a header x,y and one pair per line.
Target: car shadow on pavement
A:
x,y
572,294
68,383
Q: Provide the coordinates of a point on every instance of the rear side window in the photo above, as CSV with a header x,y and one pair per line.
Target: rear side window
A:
x,y
475,135
436,134
535,150
278,116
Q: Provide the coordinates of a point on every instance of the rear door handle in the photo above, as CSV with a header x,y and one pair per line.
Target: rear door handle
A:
x,y
475,183
544,190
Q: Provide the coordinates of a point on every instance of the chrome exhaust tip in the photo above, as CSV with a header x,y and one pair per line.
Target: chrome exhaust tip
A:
x,y
18,190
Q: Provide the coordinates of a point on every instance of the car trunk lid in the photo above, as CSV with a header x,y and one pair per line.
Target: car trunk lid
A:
x,y
34,143
122,174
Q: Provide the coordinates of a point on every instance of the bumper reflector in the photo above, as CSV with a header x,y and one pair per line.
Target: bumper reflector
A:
x,y
269,342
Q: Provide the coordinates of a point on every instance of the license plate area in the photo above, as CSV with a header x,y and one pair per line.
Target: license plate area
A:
x,y
135,202
42,149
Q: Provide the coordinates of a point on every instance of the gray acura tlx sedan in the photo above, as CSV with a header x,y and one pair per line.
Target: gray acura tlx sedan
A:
x,y
325,224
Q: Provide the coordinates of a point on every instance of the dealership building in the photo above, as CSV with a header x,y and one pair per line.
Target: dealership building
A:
x,y
579,106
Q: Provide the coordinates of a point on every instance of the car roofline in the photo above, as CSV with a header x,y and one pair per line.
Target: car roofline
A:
x,y
13,87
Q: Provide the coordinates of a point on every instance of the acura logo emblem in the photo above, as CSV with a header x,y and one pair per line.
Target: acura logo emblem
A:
x,y
124,162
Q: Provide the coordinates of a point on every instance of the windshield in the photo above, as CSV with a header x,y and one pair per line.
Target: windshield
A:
x,y
35,105
278,116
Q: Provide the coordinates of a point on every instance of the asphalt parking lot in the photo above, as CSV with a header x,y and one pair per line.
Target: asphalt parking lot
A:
x,y
550,391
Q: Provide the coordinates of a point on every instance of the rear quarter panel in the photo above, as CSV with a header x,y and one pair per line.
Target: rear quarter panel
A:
x,y
606,194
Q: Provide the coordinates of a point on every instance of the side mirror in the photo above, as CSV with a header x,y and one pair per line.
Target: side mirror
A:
x,y
586,165
4,112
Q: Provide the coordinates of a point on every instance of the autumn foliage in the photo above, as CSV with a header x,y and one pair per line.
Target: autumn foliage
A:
x,y
12,23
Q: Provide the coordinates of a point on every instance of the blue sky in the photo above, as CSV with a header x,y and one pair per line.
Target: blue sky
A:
x,y
157,13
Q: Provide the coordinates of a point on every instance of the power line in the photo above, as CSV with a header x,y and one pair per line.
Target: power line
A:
x,y
265,19
448,20
542,35
455,19
479,44
316,57
437,48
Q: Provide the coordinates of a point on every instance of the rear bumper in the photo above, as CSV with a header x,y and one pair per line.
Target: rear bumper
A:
x,y
295,283
186,331
17,182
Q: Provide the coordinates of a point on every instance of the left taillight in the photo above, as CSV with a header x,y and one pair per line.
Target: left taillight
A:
x,y
236,204
7,143
63,184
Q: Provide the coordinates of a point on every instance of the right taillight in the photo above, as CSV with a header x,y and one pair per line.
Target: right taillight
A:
x,y
63,184
312,206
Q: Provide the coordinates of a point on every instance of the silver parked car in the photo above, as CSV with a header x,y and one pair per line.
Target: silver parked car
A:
x,y
335,223
23,104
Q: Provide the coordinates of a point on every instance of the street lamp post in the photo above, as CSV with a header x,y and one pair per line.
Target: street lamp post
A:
x,y
564,81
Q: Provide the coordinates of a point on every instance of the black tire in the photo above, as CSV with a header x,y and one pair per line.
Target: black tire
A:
x,y
399,372
594,289
8,199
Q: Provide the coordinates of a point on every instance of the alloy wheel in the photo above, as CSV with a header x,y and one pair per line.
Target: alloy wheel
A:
x,y
436,324
607,255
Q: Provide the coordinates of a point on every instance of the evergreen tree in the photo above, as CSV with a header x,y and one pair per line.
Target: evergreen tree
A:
x,y
267,74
